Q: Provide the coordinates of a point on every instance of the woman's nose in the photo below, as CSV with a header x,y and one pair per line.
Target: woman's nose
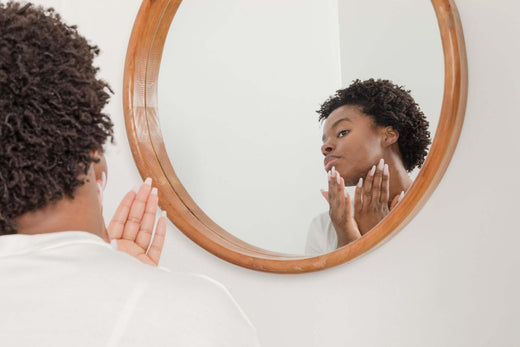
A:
x,y
326,148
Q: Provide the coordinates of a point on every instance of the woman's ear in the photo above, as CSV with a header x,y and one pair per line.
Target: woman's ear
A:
x,y
100,167
390,136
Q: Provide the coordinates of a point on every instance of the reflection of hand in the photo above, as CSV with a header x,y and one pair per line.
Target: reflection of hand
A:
x,y
133,222
371,198
340,210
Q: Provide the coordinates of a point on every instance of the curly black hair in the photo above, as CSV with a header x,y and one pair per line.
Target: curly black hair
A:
x,y
51,106
388,105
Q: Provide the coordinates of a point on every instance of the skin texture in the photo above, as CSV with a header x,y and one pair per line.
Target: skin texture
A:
x,y
351,143
357,152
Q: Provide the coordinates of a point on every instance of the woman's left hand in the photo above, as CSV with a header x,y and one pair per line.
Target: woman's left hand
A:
x,y
372,197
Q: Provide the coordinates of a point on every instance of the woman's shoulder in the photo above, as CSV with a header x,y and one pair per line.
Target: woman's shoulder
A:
x,y
321,221
321,236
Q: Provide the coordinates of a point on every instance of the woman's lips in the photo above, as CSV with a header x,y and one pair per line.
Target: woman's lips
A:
x,y
329,162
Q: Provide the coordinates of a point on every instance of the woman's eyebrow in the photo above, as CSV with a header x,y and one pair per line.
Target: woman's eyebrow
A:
x,y
340,120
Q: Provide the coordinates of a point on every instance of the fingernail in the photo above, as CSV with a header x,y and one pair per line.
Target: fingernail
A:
x,y
385,170
338,177
333,171
373,170
345,192
401,195
136,188
154,191
381,164
163,214
148,181
360,182
104,179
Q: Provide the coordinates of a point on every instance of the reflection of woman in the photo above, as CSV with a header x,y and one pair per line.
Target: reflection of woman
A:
x,y
373,135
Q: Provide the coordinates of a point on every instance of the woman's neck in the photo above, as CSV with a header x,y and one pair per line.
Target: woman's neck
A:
x,y
82,213
399,179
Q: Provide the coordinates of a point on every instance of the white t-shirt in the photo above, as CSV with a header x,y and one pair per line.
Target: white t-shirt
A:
x,y
73,289
321,237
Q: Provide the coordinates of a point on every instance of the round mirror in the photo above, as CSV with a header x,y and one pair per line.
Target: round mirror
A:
x,y
233,111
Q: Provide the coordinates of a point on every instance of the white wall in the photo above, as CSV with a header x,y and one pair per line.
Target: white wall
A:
x,y
450,278
239,85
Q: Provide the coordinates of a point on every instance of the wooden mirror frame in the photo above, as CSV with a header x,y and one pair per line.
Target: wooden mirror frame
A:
x,y
140,100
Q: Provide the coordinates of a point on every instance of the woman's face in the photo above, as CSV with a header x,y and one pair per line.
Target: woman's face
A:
x,y
352,143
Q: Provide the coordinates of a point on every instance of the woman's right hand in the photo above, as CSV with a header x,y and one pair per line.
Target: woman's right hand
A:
x,y
340,210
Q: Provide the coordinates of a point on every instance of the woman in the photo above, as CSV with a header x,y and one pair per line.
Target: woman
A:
x,y
63,284
373,135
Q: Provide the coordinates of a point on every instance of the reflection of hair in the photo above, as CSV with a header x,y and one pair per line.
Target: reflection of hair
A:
x,y
50,110
388,105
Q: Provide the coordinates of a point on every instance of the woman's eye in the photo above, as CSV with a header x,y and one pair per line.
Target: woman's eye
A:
x,y
343,133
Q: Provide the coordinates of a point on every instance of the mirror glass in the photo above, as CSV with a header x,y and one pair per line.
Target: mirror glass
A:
x,y
239,85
